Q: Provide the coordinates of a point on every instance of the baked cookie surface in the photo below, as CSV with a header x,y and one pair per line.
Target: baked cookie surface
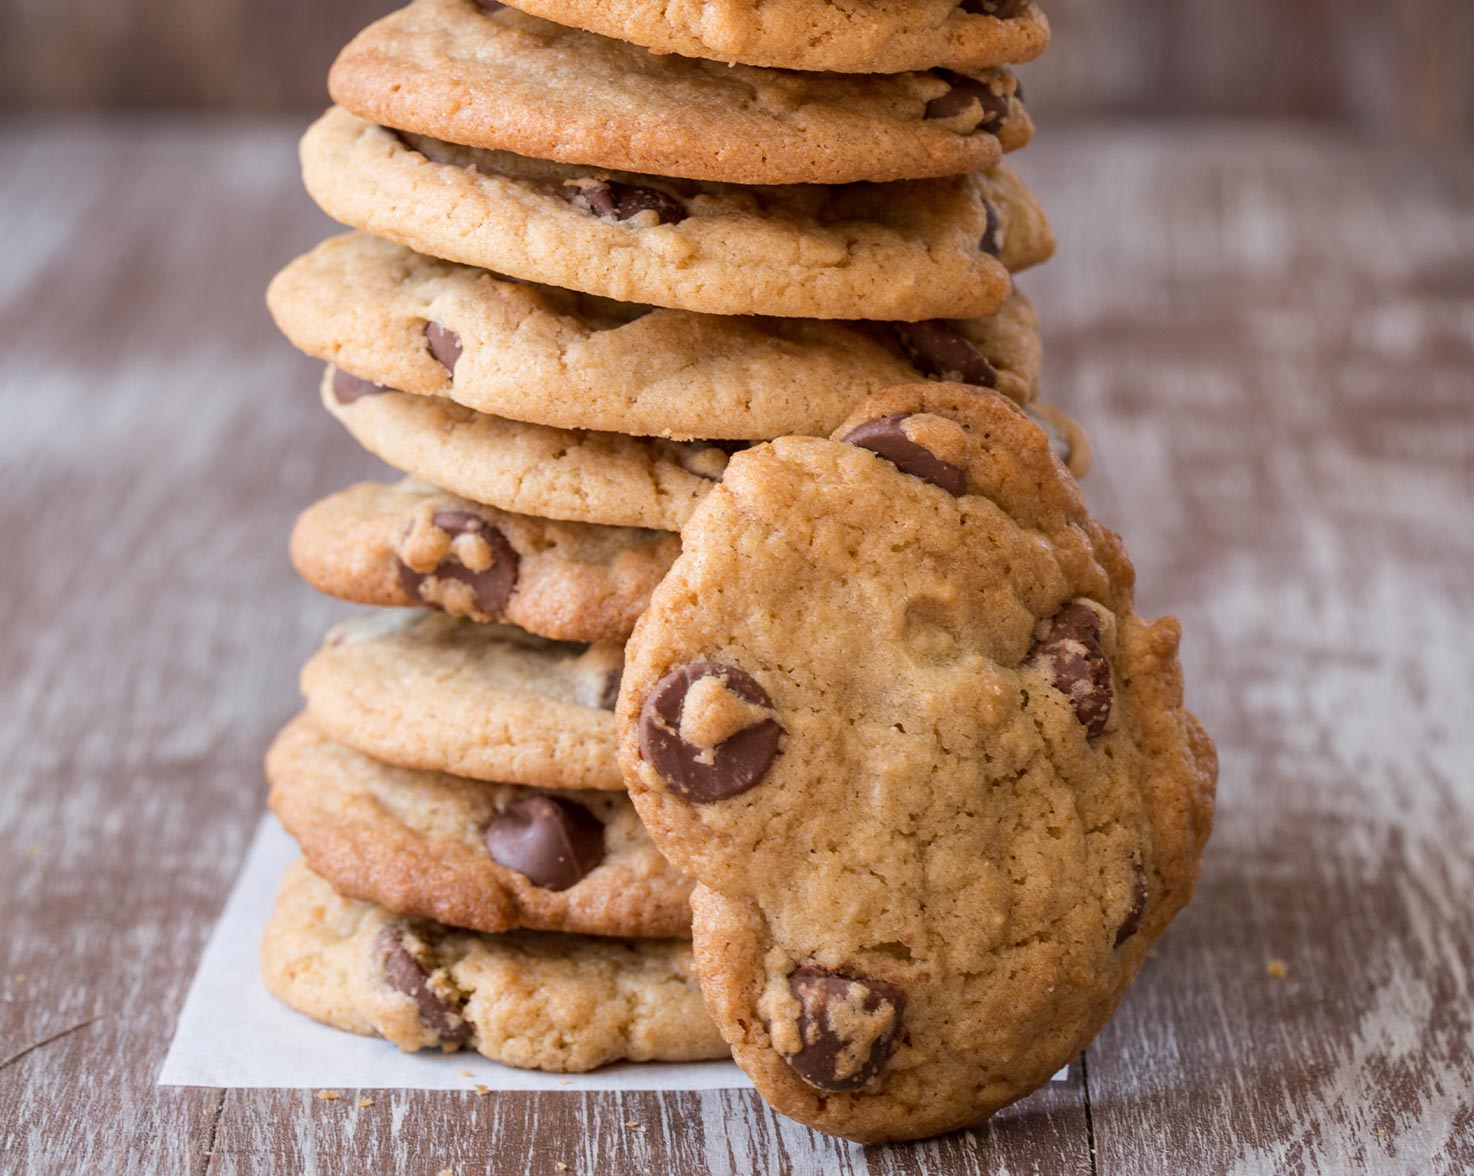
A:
x,y
508,81
910,250
555,357
590,477
489,857
411,544
565,1003
489,702
572,475
845,36
892,708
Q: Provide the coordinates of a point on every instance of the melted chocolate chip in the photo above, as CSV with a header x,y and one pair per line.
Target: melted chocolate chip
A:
x,y
348,388
940,350
404,974
964,94
848,1027
1002,9
706,774
886,437
610,694
615,201
992,242
1072,658
492,587
553,842
1131,924
444,344
490,5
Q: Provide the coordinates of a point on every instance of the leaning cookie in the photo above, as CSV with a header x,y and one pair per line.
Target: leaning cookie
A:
x,y
574,361
911,249
508,81
565,1003
412,544
489,857
844,36
488,702
894,710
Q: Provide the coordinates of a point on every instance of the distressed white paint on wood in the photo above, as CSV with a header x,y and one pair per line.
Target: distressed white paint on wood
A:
x,y
1268,336
1272,342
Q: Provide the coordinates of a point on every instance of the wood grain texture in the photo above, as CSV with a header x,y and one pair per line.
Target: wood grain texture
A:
x,y
1400,69
1270,336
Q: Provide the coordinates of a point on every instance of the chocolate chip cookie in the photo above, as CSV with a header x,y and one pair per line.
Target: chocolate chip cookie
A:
x,y
490,857
894,711
909,250
505,80
565,1003
489,702
574,475
845,36
574,361
602,478
410,543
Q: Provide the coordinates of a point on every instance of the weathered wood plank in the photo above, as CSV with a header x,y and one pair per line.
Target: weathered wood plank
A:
x,y
146,485
1399,69
1269,337
725,1133
1273,348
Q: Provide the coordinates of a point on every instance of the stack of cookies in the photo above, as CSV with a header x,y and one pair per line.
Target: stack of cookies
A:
x,y
692,328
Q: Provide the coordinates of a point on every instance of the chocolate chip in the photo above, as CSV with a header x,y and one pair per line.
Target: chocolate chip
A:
x,y
940,350
347,388
705,774
405,974
610,694
492,586
445,345
992,242
964,94
1002,9
553,842
615,201
848,1028
490,5
886,437
1071,657
1131,924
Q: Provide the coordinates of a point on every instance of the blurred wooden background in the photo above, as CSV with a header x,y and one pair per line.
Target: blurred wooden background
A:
x,y
1403,68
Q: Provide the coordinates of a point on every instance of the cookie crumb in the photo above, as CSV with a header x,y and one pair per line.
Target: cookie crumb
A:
x,y
482,1089
1276,969
365,1102
561,1166
565,1081
329,1095
631,1123
465,1073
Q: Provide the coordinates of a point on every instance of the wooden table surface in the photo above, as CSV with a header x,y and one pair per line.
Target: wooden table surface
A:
x,y
1270,335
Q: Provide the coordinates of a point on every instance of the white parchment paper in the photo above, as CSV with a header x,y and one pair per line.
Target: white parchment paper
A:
x,y
233,1033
